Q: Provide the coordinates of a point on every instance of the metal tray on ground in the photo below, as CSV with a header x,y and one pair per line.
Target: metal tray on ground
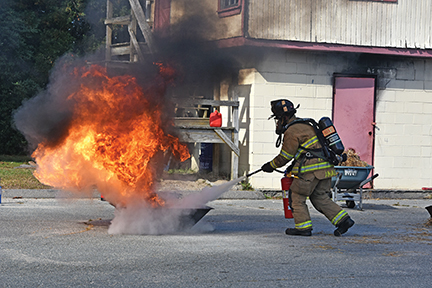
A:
x,y
192,216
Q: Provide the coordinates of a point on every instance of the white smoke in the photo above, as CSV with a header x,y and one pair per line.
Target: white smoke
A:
x,y
140,218
206,195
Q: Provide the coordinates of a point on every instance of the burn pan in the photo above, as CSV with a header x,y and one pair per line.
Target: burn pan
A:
x,y
189,217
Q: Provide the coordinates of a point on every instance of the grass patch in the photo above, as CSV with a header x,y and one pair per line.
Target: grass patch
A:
x,y
13,177
181,171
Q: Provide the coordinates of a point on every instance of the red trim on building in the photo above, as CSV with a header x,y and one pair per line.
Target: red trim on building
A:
x,y
307,46
392,1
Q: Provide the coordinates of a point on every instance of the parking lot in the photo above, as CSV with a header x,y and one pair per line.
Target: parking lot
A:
x,y
45,242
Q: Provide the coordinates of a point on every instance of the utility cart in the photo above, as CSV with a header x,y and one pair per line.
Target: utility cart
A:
x,y
348,184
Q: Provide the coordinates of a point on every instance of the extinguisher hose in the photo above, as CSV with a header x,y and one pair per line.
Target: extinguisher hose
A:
x,y
259,170
252,173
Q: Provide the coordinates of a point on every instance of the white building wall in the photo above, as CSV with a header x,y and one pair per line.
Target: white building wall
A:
x,y
403,154
405,24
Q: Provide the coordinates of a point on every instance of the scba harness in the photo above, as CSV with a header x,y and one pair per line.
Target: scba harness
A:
x,y
331,145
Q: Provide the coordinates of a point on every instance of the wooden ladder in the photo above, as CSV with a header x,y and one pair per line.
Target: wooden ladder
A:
x,y
138,18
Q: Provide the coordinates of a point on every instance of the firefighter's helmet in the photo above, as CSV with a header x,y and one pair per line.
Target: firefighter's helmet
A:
x,y
282,107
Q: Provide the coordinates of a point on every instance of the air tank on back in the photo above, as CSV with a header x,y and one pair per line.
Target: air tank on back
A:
x,y
331,136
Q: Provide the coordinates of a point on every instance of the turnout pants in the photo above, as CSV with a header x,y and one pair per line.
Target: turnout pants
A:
x,y
317,191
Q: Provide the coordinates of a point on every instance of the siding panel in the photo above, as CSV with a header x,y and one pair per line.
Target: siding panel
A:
x,y
407,24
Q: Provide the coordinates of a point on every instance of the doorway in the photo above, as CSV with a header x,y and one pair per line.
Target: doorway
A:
x,y
354,113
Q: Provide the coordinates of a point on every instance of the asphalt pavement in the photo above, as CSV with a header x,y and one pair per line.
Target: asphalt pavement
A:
x,y
52,242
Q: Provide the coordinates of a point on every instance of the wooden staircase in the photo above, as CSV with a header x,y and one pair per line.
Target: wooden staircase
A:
x,y
133,51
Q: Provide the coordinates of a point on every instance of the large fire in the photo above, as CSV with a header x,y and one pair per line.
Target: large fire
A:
x,y
115,131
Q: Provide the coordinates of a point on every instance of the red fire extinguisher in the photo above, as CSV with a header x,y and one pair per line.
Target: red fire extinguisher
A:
x,y
286,184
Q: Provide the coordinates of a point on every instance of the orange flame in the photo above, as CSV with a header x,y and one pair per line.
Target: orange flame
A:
x,y
114,133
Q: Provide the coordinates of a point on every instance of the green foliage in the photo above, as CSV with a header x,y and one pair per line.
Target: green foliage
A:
x,y
246,186
14,158
181,171
33,35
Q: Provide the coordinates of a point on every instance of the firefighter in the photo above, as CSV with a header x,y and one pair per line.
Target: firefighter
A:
x,y
312,173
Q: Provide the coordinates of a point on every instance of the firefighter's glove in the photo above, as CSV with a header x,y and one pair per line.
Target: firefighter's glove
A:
x,y
341,158
267,168
344,157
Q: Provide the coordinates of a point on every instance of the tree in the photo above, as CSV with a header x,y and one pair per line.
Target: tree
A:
x,y
33,35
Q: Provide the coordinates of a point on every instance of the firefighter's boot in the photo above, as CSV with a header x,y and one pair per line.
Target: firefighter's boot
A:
x,y
298,232
343,226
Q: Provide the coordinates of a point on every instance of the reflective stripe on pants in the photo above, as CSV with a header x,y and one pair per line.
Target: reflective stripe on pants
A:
x,y
317,191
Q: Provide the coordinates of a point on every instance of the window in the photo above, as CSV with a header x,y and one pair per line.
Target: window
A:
x,y
229,7
228,3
